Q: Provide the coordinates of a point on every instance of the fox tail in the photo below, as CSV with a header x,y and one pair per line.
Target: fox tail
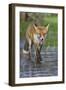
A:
x,y
26,47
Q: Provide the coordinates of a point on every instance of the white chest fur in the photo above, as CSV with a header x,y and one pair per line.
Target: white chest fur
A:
x,y
36,38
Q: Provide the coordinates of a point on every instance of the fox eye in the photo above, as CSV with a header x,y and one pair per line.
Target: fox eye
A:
x,y
38,35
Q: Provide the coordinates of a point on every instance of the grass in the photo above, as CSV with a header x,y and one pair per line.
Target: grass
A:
x,y
52,37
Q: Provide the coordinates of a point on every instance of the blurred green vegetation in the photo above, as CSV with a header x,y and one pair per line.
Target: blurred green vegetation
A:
x,y
52,20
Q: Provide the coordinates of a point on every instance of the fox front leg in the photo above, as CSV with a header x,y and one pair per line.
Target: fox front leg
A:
x,y
30,48
38,55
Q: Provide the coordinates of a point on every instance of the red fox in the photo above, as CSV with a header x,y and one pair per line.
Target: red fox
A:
x,y
35,35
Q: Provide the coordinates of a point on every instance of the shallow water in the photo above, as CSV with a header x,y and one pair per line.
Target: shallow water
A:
x,y
48,66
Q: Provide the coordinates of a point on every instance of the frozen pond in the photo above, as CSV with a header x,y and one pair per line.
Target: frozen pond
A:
x,y
48,66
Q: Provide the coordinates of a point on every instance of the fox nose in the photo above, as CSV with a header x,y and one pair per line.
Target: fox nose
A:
x,y
42,39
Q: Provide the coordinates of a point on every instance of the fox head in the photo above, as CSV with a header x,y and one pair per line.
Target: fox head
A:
x,y
40,33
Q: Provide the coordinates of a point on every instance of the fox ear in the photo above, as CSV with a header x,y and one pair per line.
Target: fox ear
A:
x,y
47,26
46,29
35,27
